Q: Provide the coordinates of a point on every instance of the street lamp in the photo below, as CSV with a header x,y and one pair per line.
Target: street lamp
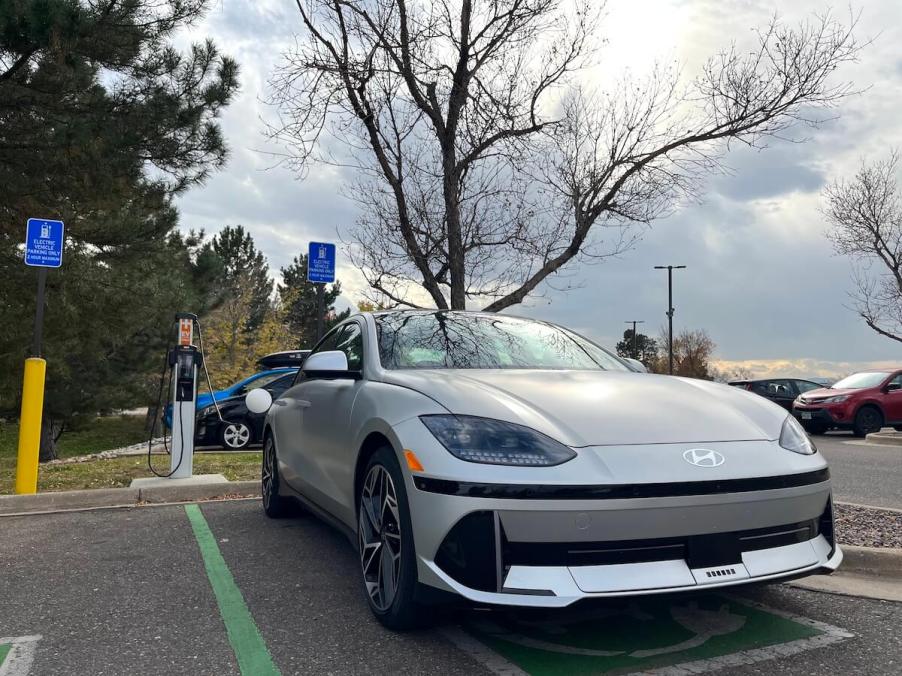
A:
x,y
634,322
670,269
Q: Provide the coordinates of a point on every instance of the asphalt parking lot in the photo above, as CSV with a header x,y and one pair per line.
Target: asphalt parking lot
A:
x,y
863,473
220,589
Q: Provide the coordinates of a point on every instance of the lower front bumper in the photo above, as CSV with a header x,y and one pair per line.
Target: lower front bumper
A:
x,y
560,586
817,416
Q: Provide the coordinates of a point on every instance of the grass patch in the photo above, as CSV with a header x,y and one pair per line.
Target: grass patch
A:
x,y
101,434
119,472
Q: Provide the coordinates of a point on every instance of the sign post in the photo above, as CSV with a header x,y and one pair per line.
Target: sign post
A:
x,y
43,249
320,271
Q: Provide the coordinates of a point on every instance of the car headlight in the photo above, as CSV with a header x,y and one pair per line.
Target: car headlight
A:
x,y
495,442
794,438
835,400
207,410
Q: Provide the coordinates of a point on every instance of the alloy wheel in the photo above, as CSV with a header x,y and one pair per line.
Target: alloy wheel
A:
x,y
379,534
236,435
267,472
870,420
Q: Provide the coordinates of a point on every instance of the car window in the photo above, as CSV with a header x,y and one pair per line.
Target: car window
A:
x,y
350,341
326,344
780,388
260,381
761,387
806,386
279,385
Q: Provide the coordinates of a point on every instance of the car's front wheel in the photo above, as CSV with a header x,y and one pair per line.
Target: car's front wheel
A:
x,y
276,506
385,543
815,428
867,421
235,435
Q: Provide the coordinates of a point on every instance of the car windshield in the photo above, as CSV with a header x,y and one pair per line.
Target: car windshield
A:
x,y
470,341
859,381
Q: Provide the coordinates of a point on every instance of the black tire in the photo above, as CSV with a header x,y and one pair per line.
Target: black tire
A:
x,y
276,506
815,428
377,536
235,435
868,419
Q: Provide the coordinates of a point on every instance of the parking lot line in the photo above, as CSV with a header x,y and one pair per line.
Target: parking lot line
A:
x,y
17,654
247,643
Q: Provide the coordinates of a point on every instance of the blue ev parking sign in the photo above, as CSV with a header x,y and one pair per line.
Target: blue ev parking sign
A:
x,y
44,243
321,263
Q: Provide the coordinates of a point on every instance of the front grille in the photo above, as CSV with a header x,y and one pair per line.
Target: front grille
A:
x,y
700,551
477,553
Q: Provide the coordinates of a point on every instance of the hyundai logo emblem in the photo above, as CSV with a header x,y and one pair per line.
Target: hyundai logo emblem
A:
x,y
703,457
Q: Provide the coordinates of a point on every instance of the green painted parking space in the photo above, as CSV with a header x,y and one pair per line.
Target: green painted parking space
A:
x,y
4,651
706,632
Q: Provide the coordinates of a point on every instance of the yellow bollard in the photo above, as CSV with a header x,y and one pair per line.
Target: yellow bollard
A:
x,y
30,425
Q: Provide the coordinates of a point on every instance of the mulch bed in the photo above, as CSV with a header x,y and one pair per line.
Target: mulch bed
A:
x,y
868,526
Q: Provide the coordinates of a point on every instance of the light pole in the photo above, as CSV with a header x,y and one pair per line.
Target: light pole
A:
x,y
670,269
635,345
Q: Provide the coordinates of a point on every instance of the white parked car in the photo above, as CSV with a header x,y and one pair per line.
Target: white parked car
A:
x,y
513,462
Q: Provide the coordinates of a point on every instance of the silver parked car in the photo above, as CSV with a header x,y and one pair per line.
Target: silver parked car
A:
x,y
513,462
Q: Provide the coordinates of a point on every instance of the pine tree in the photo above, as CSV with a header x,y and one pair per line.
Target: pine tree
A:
x,y
244,271
102,122
298,297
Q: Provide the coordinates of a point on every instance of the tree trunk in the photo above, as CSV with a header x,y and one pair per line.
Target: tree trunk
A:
x,y
50,433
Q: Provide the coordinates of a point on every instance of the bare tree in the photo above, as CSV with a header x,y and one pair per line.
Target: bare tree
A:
x,y
693,350
482,168
866,218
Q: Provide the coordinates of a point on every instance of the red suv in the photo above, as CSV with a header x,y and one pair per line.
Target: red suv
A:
x,y
863,402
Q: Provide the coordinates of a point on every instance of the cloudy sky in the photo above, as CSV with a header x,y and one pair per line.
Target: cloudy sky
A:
x,y
761,277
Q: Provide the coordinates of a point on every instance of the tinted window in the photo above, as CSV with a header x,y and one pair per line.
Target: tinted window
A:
x,y
351,343
780,388
262,381
469,341
280,384
762,387
328,343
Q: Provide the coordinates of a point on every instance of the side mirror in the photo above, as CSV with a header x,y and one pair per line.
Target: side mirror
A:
x,y
329,364
636,364
258,400
892,387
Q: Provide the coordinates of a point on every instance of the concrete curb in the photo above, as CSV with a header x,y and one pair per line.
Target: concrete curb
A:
x,y
885,563
15,505
884,438
868,572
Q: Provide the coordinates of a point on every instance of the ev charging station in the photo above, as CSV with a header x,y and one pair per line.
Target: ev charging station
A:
x,y
184,361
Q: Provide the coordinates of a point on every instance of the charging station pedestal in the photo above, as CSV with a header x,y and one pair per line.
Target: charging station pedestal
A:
x,y
183,359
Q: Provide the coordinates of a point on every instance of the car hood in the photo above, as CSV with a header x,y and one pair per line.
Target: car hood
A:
x,y
595,408
825,393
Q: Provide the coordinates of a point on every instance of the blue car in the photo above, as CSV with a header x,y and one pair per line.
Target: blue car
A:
x,y
241,387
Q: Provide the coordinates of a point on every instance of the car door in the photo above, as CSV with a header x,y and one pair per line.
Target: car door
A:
x,y
287,417
892,400
324,409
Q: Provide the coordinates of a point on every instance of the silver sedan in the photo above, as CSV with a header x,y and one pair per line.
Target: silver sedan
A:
x,y
513,462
